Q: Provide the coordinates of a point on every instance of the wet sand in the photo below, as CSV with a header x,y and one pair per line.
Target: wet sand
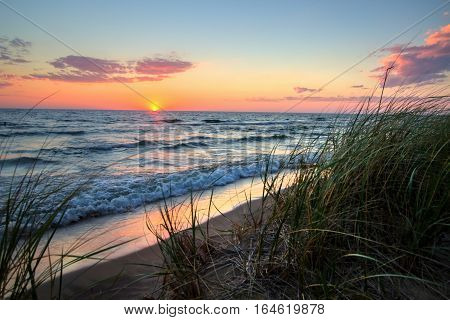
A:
x,y
126,272
91,234
130,276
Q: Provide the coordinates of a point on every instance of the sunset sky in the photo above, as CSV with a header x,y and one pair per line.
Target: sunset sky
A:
x,y
216,55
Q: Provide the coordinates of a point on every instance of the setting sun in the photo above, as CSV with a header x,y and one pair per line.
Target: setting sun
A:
x,y
154,107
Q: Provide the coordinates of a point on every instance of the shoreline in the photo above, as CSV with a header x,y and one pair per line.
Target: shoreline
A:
x,y
104,231
129,276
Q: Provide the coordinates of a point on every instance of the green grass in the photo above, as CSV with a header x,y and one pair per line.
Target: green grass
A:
x,y
369,220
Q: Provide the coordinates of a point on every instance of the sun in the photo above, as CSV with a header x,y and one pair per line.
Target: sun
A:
x,y
154,107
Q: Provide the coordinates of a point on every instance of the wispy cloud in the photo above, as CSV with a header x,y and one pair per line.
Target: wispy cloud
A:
x,y
161,66
89,64
72,76
89,69
358,86
424,64
13,51
312,98
4,84
264,99
304,89
6,79
19,43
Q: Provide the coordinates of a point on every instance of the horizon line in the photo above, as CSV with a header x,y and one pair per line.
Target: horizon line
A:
x,y
160,111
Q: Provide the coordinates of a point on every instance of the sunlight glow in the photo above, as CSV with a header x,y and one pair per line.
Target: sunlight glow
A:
x,y
154,107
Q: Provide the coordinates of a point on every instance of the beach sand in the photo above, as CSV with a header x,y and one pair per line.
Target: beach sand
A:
x,y
130,276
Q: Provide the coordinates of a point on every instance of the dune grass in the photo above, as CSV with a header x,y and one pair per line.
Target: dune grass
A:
x,y
29,269
368,220
26,233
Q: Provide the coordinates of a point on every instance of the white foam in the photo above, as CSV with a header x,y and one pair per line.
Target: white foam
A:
x,y
121,194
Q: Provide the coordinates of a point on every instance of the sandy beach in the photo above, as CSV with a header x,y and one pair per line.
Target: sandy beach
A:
x,y
130,276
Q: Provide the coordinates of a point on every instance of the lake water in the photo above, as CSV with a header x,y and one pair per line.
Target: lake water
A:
x,y
132,158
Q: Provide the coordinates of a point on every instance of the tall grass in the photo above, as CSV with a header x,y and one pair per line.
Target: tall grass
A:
x,y
368,220
26,232
33,203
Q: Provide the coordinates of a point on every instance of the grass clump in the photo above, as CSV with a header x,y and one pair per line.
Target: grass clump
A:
x,y
369,220
26,232
33,203
187,249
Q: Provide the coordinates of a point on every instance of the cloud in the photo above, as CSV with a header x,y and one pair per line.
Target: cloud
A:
x,y
358,86
73,76
441,37
264,99
161,66
292,98
303,90
90,77
13,51
313,98
88,69
424,64
6,79
4,84
19,43
93,65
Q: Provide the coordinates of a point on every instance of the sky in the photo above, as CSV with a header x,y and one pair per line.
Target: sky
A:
x,y
217,55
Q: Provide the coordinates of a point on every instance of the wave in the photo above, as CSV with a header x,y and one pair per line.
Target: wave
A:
x,y
70,133
171,120
187,145
14,125
25,161
43,133
146,143
111,146
194,142
123,194
214,121
261,138
253,123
